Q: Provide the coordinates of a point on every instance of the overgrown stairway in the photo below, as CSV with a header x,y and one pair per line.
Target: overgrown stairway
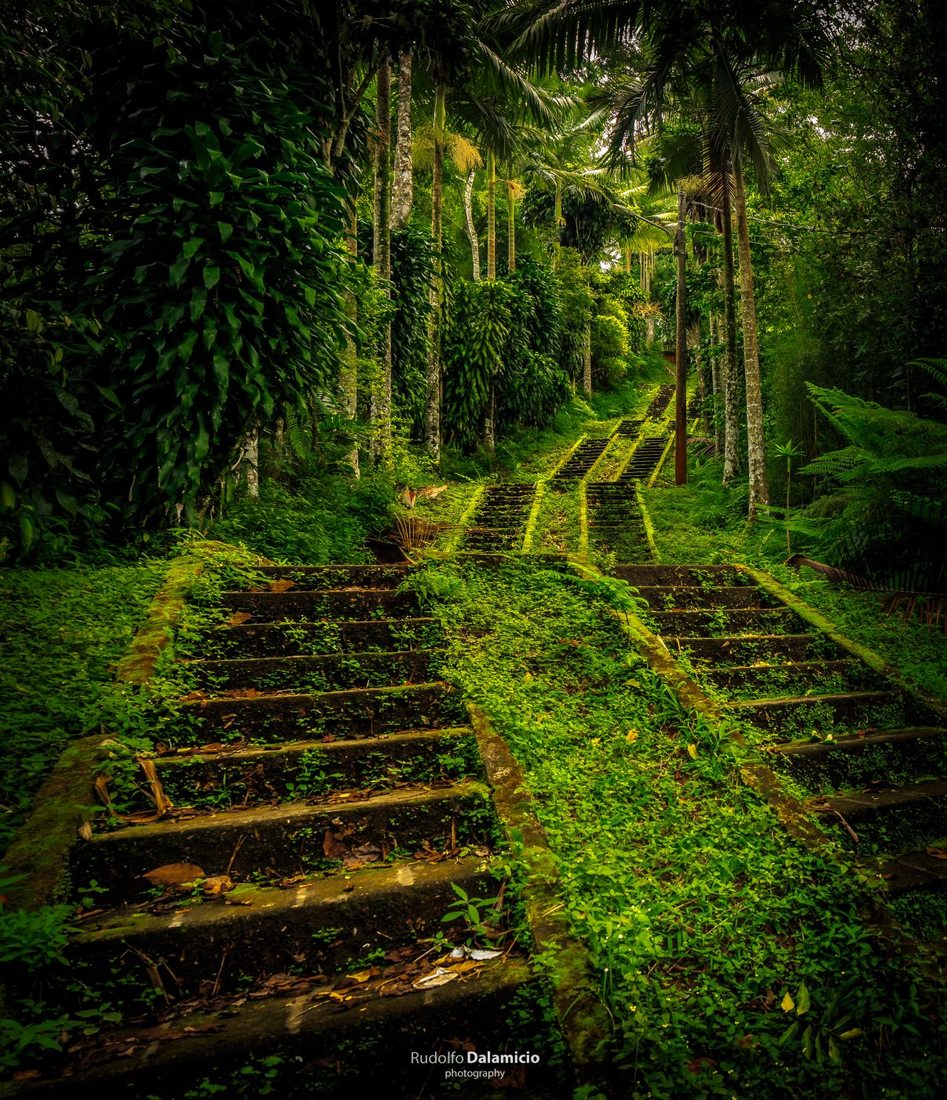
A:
x,y
869,757
319,808
500,520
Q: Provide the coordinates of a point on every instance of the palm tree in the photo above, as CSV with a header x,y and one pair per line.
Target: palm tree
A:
x,y
721,48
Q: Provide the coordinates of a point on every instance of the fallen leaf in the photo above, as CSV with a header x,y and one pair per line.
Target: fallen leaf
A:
x,y
437,977
85,830
194,696
239,617
787,1004
282,586
217,885
170,874
937,853
692,751
431,491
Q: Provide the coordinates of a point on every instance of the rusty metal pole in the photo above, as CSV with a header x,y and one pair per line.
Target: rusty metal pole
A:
x,y
680,407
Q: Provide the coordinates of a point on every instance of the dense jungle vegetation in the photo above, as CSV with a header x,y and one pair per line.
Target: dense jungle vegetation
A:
x,y
302,277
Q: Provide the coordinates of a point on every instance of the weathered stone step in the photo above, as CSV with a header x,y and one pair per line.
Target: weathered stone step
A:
x,y
679,597
358,712
321,577
856,708
919,870
725,623
704,576
340,603
322,672
284,840
352,636
305,769
320,925
756,646
767,677
857,804
857,760
304,1034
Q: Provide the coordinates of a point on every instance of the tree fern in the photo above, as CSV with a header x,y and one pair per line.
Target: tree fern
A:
x,y
886,516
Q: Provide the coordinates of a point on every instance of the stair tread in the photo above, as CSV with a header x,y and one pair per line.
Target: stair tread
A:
x,y
855,741
288,811
854,803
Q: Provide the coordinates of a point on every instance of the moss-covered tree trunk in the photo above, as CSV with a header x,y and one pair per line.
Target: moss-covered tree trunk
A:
x,y
491,215
587,358
432,409
381,391
731,388
756,442
471,224
402,197
348,374
511,225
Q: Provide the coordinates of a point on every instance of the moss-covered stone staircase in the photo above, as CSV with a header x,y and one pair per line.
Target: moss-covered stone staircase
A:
x,y
322,809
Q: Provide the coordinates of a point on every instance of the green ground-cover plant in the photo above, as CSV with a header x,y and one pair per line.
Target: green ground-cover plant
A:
x,y
700,912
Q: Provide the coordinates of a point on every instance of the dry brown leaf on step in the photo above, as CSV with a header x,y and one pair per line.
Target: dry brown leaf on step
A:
x,y
937,853
217,885
194,696
170,874
102,789
333,844
163,804
239,617
282,586
85,830
438,976
408,497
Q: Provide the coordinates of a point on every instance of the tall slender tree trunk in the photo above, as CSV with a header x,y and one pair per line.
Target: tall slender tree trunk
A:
x,y
471,224
251,463
348,375
680,402
756,442
489,422
402,196
557,219
587,358
381,391
491,215
432,409
511,225
715,383
731,395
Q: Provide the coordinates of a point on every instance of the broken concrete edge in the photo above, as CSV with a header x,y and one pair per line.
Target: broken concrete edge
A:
x,y
818,620
533,518
583,1018
64,803
648,525
164,612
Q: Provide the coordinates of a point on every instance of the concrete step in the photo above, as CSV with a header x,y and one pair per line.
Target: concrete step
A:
x,y
231,777
794,677
325,1043
317,925
340,603
321,577
358,712
855,709
917,870
911,752
724,622
249,639
678,597
323,672
748,647
284,840
703,576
